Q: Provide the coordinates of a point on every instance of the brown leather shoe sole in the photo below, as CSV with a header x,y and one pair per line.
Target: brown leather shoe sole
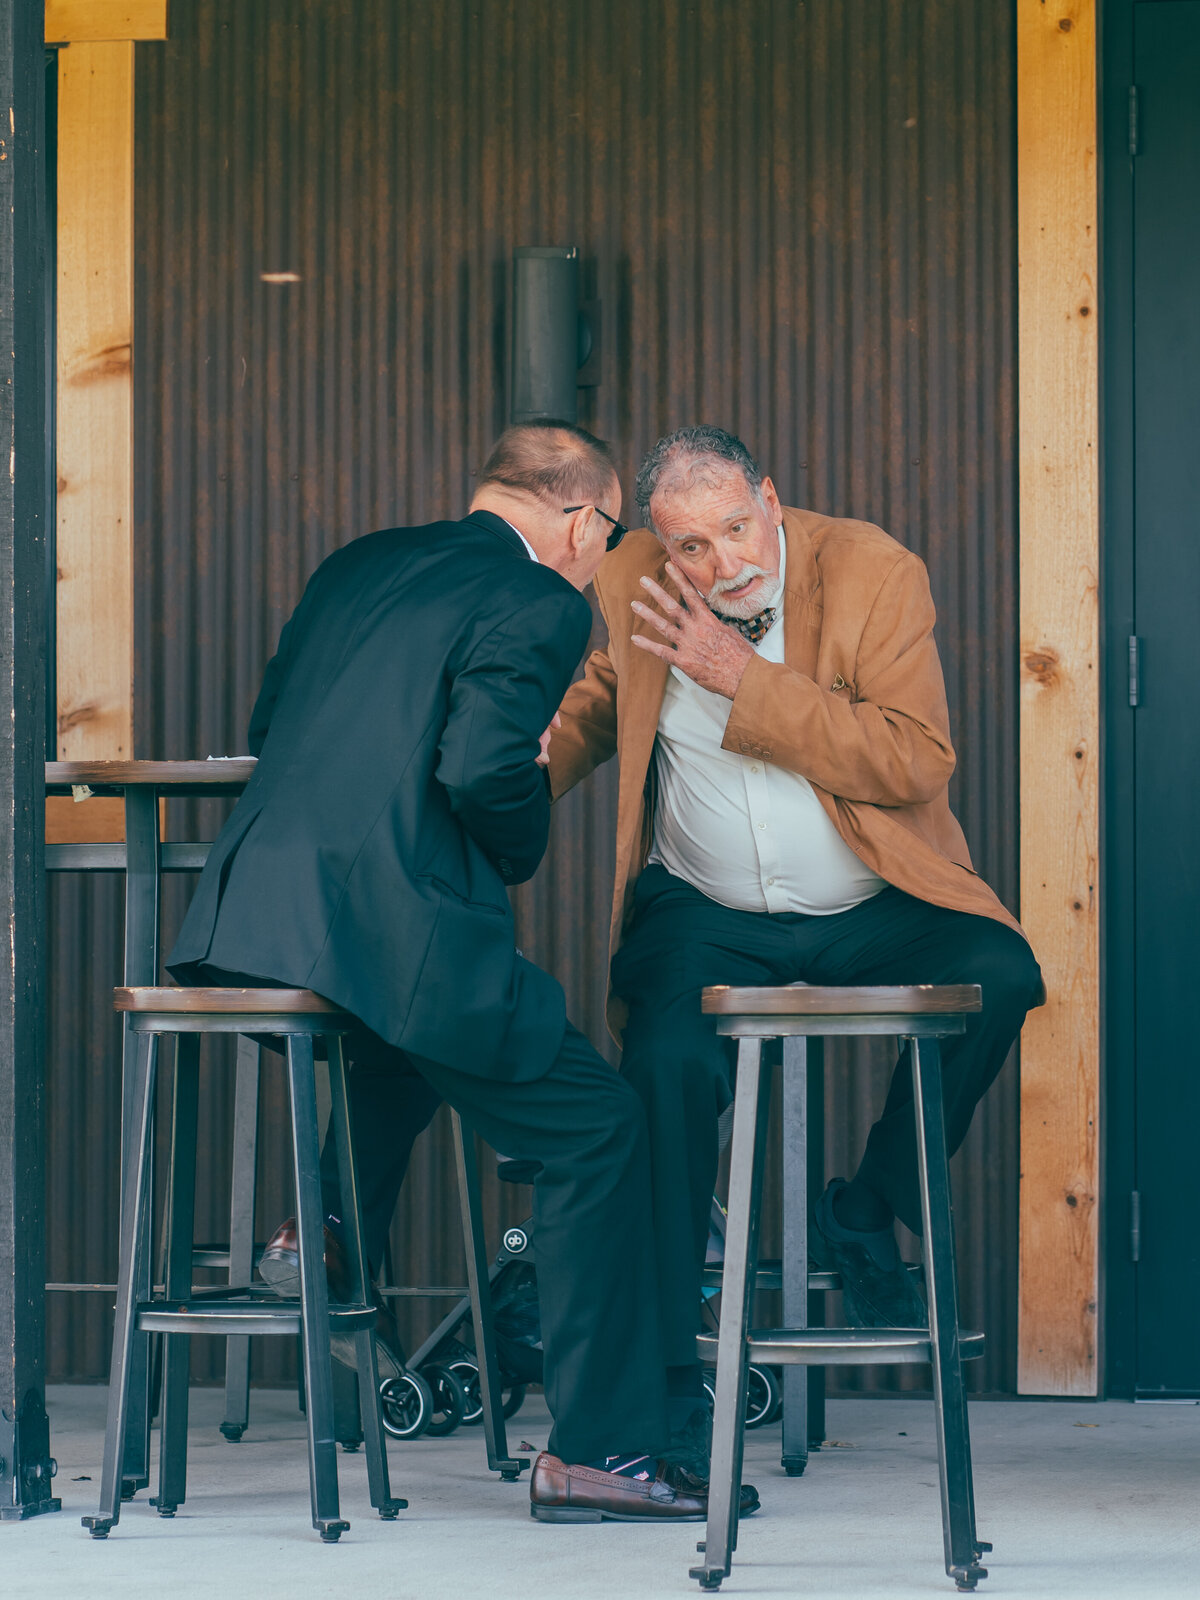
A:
x,y
562,1493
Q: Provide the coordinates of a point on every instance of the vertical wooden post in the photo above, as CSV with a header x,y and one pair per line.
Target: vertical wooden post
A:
x,y
1060,670
26,1487
95,401
94,605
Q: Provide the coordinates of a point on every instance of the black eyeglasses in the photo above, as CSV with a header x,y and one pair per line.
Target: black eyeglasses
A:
x,y
619,528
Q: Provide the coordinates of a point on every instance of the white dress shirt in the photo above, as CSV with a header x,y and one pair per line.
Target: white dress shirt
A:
x,y
533,555
743,831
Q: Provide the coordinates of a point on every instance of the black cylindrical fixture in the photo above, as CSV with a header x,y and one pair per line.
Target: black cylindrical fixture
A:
x,y
545,350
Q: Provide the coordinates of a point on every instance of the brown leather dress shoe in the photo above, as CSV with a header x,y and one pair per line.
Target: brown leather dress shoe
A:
x,y
280,1267
280,1264
562,1493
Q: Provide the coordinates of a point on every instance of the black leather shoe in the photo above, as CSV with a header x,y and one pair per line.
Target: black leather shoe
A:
x,y
877,1288
692,1483
685,1461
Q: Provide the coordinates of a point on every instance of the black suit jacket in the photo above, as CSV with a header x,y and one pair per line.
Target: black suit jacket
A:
x,y
397,794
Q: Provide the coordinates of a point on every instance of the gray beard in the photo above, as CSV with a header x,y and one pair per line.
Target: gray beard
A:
x,y
751,605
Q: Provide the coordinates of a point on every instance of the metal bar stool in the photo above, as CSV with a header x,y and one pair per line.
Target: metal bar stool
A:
x,y
301,1017
920,1015
240,1258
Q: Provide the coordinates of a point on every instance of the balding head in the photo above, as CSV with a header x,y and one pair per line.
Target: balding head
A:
x,y
535,471
555,462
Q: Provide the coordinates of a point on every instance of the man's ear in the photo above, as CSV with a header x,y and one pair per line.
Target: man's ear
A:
x,y
771,499
580,528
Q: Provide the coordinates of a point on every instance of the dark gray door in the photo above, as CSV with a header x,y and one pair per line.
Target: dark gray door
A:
x,y
1166,179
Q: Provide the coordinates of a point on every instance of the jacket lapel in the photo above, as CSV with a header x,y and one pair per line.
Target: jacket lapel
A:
x,y
643,680
802,603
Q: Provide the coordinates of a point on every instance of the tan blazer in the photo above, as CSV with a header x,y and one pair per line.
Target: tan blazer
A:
x,y
858,707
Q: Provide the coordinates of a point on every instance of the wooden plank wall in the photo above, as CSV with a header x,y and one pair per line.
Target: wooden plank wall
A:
x,y
1060,670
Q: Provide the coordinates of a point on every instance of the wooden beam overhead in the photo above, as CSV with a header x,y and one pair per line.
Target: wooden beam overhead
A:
x,y
104,21
1060,707
95,402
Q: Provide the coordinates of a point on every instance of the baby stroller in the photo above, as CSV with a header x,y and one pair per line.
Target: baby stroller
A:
x,y
513,1276
447,1365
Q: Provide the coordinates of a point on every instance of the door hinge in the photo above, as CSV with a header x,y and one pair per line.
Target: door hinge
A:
x,y
1135,1226
1135,670
1133,120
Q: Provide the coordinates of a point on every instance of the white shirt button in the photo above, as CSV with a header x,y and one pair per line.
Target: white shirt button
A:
x,y
753,769
761,826
770,883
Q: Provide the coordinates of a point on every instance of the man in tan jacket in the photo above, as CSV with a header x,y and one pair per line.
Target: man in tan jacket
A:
x,y
773,692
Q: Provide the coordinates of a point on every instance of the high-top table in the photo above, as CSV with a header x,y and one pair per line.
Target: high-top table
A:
x,y
143,858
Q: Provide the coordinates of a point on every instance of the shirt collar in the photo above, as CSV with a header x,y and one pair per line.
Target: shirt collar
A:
x,y
533,555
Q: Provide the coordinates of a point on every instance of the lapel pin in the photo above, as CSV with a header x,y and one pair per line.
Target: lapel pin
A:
x,y
838,683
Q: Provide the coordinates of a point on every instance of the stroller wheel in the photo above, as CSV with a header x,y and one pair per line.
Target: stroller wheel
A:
x,y
467,1374
406,1404
449,1399
763,1396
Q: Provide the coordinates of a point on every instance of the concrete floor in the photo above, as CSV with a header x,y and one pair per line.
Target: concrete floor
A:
x,y
1079,1500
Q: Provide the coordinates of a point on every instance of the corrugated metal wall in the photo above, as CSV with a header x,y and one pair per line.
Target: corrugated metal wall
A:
x,y
799,220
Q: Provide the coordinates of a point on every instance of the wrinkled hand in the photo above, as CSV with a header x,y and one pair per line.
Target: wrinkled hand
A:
x,y
710,652
543,755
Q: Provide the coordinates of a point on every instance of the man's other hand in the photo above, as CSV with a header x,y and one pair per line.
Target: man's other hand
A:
x,y
543,756
710,653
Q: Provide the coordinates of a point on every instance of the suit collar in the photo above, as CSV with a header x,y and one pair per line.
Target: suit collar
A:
x,y
491,523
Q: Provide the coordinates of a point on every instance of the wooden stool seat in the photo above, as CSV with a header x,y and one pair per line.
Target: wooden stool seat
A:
x,y
228,1002
809,1000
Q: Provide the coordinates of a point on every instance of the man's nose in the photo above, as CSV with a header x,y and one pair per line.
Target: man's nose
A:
x,y
729,561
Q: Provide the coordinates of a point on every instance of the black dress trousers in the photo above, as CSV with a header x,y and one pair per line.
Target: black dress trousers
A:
x,y
585,1128
680,941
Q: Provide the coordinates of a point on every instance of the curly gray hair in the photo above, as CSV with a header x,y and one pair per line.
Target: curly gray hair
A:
x,y
692,455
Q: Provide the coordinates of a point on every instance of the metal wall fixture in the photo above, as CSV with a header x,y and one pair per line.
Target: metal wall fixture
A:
x,y
555,339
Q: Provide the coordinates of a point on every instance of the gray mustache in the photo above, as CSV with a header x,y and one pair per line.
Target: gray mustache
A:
x,y
724,585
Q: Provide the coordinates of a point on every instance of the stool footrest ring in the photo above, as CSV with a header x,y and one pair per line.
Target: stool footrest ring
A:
x,y
769,1275
275,1316
839,1347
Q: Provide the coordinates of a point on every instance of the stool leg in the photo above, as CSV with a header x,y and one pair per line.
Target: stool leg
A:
x,y
180,1230
241,1231
795,1247
142,884
480,1289
949,1395
314,1292
816,1183
135,1206
752,1104
360,1289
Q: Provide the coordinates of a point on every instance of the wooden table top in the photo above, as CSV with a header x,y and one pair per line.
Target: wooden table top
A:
x,y
171,777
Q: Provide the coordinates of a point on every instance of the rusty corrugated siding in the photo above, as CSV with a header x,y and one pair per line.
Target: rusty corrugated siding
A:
x,y
799,219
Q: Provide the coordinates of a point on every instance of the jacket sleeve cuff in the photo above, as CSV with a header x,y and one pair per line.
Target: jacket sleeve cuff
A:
x,y
751,729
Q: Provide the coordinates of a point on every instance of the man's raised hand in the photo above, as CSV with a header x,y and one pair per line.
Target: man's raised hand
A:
x,y
710,653
543,755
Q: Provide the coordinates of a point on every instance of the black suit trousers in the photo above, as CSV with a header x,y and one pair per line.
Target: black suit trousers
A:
x,y
585,1127
680,941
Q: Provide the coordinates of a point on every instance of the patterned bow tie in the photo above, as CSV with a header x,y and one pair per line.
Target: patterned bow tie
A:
x,y
754,628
